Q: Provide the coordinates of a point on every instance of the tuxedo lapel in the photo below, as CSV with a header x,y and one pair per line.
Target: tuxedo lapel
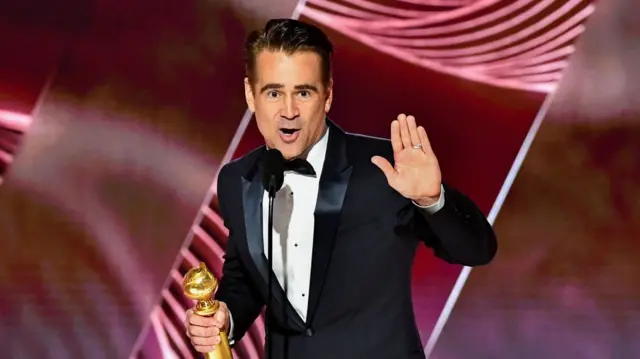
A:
x,y
252,195
334,181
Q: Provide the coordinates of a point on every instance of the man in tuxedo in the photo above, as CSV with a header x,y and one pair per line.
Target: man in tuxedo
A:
x,y
347,220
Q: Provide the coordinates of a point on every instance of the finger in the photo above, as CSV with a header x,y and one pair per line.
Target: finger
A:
x,y
424,140
204,348
186,321
404,131
396,142
220,318
206,341
413,130
195,319
203,332
385,166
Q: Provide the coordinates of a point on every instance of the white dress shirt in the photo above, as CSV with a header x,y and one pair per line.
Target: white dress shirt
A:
x,y
293,227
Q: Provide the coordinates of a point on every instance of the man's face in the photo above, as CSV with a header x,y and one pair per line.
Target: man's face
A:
x,y
289,100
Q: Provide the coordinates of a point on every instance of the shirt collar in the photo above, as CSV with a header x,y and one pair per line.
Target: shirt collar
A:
x,y
318,152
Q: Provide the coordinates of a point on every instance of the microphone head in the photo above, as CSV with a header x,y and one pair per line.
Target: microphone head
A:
x,y
272,166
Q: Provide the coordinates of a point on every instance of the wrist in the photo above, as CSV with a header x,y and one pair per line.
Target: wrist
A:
x,y
428,200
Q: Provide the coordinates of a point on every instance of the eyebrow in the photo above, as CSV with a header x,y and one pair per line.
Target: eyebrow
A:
x,y
273,86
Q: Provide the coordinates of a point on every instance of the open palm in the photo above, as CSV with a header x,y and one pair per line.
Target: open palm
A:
x,y
416,174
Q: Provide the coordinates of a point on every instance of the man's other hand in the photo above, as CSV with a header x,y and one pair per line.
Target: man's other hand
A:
x,y
204,332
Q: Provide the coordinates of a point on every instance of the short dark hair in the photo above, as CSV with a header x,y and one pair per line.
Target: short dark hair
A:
x,y
289,36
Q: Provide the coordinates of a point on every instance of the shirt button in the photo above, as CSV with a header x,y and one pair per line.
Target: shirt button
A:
x,y
309,332
295,244
303,294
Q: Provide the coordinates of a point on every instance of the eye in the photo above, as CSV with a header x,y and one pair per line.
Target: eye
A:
x,y
272,94
304,93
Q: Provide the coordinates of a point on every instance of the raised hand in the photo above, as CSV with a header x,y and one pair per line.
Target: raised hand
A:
x,y
416,174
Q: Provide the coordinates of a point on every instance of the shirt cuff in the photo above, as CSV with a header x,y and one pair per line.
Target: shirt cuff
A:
x,y
433,208
230,336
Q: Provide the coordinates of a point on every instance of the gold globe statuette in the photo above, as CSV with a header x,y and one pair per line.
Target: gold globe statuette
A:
x,y
199,284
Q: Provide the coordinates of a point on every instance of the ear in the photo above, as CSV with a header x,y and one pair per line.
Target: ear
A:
x,y
329,100
248,95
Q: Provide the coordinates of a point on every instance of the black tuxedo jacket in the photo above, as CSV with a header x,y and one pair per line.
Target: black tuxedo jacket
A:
x,y
365,238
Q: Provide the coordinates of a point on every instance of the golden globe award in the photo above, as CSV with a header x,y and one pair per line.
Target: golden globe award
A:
x,y
199,284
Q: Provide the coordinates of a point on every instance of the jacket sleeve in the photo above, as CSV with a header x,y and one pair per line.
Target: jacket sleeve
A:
x,y
236,288
458,232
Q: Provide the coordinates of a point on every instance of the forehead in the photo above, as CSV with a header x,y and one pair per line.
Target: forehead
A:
x,y
288,69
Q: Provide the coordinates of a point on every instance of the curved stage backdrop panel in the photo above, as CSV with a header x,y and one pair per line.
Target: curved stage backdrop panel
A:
x,y
520,44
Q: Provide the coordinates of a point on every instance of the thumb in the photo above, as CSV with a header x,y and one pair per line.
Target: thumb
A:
x,y
220,318
385,166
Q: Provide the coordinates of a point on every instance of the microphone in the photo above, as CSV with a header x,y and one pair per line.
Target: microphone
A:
x,y
272,167
272,171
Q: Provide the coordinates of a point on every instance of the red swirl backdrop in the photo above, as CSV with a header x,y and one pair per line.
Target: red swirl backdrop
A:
x,y
515,44
115,119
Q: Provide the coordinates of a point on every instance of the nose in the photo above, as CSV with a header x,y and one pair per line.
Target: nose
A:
x,y
290,110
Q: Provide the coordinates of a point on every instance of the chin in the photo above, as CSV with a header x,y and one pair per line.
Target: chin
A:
x,y
290,154
289,151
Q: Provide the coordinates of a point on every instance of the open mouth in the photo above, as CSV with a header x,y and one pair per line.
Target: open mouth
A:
x,y
289,131
288,135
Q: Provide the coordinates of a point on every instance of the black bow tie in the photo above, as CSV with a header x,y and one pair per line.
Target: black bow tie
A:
x,y
300,166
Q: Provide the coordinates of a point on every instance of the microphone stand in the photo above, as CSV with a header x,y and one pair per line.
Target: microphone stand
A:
x,y
269,318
